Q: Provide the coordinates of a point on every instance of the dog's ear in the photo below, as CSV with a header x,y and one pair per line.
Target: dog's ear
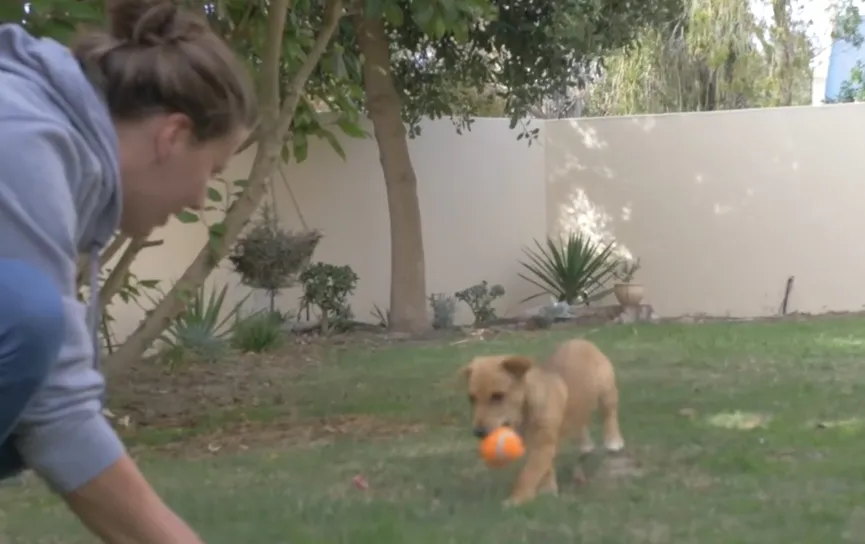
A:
x,y
465,372
517,365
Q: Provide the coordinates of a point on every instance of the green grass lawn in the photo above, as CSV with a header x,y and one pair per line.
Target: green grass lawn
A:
x,y
745,433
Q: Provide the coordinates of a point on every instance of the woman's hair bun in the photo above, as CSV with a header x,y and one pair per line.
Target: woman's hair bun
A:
x,y
151,23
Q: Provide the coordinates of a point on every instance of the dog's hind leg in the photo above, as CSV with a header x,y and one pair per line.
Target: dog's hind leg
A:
x,y
609,411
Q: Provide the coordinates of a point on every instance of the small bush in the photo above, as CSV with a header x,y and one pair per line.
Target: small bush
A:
x,y
259,332
480,298
444,308
327,287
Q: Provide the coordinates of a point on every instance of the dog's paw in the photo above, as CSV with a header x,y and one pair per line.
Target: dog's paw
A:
x,y
513,502
614,445
551,490
586,448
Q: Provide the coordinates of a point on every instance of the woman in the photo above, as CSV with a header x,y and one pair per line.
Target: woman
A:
x,y
122,130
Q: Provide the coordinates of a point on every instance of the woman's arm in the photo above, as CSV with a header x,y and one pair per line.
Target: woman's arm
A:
x,y
121,508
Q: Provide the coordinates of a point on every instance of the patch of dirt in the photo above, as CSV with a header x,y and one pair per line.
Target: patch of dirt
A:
x,y
153,395
288,433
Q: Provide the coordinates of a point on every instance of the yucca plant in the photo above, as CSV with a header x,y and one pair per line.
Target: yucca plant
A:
x,y
201,328
571,270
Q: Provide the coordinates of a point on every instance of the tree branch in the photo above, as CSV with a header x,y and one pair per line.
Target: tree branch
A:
x,y
115,280
251,139
333,12
268,96
116,245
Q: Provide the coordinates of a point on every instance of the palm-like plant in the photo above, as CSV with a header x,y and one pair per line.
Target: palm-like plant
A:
x,y
570,270
201,328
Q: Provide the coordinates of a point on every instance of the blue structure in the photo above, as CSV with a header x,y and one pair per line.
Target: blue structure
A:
x,y
843,57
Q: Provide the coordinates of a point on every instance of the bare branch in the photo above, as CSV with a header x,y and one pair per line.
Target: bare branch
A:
x,y
251,139
269,93
116,245
115,280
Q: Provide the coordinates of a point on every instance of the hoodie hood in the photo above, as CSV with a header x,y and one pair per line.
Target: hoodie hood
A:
x,y
64,92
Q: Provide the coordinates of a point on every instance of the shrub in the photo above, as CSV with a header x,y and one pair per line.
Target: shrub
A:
x,y
480,298
258,332
444,308
327,287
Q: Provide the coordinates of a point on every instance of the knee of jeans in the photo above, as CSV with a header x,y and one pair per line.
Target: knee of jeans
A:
x,y
32,319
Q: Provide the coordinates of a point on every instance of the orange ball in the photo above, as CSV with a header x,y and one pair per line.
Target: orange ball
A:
x,y
501,447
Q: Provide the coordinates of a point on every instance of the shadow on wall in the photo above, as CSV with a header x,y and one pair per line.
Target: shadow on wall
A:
x,y
720,207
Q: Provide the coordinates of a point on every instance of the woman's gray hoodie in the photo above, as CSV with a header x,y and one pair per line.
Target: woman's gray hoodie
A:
x,y
59,194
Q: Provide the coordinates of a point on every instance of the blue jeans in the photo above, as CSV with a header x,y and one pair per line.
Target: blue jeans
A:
x,y
31,333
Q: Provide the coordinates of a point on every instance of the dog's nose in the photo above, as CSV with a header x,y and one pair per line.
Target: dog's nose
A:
x,y
479,432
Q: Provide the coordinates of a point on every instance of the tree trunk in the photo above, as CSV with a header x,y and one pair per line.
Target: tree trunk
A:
x,y
784,50
408,312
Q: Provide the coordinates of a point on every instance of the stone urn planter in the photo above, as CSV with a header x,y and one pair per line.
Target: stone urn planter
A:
x,y
629,294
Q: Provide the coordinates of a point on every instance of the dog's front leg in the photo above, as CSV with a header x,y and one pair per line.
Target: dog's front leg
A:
x,y
539,465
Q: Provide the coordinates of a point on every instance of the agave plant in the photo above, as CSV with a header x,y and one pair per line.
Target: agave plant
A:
x,y
570,270
202,328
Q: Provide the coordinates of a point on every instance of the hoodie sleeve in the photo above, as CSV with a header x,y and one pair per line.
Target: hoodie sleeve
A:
x,y
62,435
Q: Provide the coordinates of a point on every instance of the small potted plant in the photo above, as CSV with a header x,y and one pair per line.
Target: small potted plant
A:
x,y
627,292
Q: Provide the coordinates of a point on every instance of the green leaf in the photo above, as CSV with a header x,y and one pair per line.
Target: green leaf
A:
x,y
393,14
372,9
351,129
338,62
217,230
301,146
424,14
334,143
214,195
461,32
187,217
439,27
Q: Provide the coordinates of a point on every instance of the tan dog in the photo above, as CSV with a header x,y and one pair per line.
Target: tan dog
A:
x,y
544,404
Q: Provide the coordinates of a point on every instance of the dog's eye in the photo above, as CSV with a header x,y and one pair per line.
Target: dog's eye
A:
x,y
497,397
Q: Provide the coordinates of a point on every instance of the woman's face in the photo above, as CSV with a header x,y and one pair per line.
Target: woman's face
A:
x,y
164,170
